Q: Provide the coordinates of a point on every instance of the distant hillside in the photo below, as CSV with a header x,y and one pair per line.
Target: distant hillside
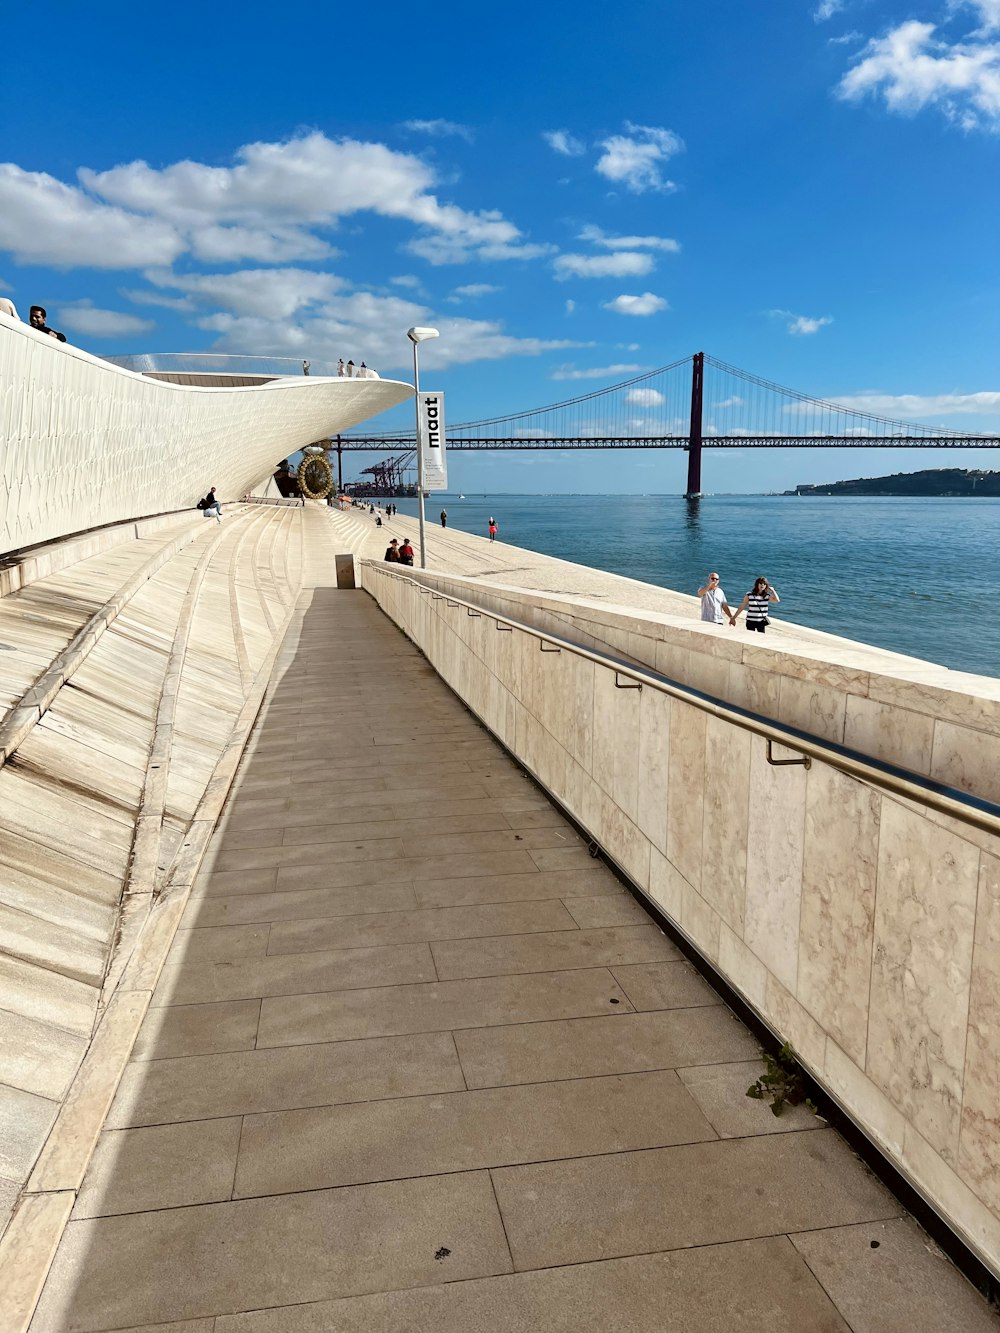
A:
x,y
933,481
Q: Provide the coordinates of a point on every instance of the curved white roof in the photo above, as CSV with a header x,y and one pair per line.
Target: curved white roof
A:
x,y
85,442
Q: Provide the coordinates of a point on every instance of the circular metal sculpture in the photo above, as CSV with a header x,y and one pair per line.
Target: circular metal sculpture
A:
x,y
315,476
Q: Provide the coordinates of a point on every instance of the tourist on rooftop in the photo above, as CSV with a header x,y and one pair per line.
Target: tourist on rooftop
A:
x,y
350,367
7,307
392,551
444,518
340,368
210,506
37,317
406,552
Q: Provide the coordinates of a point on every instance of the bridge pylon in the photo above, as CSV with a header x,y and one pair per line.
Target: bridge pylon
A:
x,y
694,432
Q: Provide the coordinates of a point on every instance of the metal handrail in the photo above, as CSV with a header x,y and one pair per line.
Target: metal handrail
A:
x,y
946,800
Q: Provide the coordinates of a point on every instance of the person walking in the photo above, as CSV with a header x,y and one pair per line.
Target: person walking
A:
x,y
713,602
493,528
757,603
444,518
392,551
406,552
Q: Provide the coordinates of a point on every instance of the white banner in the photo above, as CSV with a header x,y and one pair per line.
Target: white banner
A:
x,y
430,413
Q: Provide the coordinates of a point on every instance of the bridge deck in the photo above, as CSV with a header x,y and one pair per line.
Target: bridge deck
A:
x,y
416,1061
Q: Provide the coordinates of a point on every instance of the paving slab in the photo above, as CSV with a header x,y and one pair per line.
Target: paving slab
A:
x,y
494,888
329,970
720,1091
416,1136
699,1194
736,1288
584,1047
889,1277
221,1258
670,985
294,1019
296,905
285,1078
169,1166
506,955
197,1029
429,923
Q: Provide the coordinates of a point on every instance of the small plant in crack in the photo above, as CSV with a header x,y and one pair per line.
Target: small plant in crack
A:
x,y
782,1082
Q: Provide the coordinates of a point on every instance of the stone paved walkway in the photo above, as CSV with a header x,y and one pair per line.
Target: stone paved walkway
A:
x,y
417,1062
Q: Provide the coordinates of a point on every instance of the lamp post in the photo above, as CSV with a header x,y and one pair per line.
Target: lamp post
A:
x,y
417,336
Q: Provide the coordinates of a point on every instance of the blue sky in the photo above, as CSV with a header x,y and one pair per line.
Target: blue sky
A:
x,y
573,195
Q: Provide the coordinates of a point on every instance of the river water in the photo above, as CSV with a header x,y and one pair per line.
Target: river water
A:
x,y
918,576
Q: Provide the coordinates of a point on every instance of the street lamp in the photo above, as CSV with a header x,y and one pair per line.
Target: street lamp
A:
x,y
417,336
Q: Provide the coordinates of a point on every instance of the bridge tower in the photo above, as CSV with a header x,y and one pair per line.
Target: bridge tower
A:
x,y
694,432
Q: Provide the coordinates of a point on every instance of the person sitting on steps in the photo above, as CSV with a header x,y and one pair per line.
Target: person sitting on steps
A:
x,y
210,506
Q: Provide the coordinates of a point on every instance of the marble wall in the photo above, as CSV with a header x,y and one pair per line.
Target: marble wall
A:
x,y
862,927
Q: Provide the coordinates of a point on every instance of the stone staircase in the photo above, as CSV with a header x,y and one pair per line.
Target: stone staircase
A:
x,y
124,679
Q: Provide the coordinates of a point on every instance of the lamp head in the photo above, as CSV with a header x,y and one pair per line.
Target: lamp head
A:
x,y
421,335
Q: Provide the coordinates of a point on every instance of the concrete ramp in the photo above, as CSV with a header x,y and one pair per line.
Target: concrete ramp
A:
x,y
417,1061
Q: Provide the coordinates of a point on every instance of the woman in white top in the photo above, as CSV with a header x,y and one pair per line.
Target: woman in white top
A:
x,y
756,604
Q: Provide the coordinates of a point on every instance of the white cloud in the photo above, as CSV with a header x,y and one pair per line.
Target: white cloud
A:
x,y
570,307
278,293
407,280
987,10
826,10
439,128
919,405
598,237
800,325
645,397
646,304
43,221
570,372
473,290
912,69
561,141
86,318
140,297
439,249
267,208
734,401
263,245
636,159
620,264
294,312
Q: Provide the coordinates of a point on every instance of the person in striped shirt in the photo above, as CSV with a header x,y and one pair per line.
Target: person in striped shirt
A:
x,y
756,604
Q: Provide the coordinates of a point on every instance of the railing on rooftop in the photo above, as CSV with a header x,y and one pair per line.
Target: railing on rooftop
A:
x,y
221,363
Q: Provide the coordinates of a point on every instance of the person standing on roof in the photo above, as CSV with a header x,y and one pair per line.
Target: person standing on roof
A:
x,y
444,518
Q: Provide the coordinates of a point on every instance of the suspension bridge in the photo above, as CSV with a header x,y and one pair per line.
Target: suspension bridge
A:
x,y
695,403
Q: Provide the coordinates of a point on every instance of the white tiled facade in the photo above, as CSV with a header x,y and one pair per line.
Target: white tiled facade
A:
x,y
84,443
